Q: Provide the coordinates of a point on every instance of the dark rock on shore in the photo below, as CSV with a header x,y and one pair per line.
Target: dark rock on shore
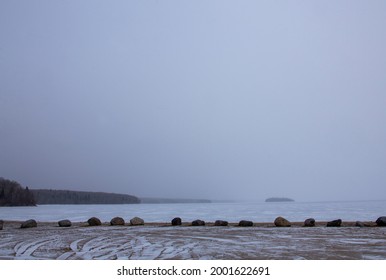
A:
x,y
335,223
137,221
281,222
381,221
176,221
198,223
1,224
29,224
244,223
309,222
94,221
359,224
65,223
117,221
220,223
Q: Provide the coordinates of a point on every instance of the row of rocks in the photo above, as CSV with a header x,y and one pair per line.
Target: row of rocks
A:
x,y
281,222
136,221
94,221
91,222
117,221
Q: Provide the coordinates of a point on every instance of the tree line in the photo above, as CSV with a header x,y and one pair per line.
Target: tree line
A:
x,y
13,194
47,196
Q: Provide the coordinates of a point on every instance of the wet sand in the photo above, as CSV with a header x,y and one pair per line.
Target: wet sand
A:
x,y
162,241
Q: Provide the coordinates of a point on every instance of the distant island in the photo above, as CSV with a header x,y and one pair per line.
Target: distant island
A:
x,y
279,199
148,200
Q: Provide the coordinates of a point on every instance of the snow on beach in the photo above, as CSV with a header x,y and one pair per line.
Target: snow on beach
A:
x,y
48,241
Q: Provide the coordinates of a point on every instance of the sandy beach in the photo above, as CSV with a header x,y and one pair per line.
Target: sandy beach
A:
x,y
162,241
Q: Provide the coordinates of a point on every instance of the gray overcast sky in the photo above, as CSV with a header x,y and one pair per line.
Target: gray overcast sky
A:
x,y
203,99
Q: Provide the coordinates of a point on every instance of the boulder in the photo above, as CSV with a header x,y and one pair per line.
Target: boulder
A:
x,y
117,221
281,222
29,224
335,223
1,224
176,221
359,224
309,222
198,223
221,223
65,223
364,224
137,221
381,221
244,223
92,222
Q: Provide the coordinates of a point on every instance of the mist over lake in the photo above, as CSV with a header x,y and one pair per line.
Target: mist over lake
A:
x,y
195,99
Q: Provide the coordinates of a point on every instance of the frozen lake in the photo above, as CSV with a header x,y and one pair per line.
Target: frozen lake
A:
x,y
232,212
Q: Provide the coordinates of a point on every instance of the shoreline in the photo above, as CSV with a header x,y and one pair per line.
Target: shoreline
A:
x,y
189,224
162,241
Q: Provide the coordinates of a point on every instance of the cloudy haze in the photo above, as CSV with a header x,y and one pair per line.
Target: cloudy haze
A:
x,y
203,99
